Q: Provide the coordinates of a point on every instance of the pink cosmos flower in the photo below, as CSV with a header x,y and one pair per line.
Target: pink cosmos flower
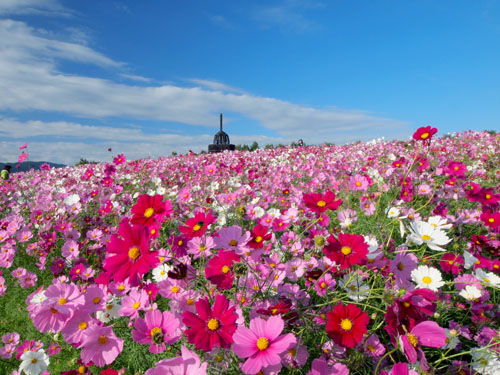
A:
x,y
358,182
75,327
189,363
320,367
131,305
232,238
11,338
156,329
100,345
262,344
23,146
7,351
22,157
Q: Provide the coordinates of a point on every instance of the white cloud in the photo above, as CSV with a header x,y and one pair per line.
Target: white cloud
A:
x,y
45,7
216,86
30,80
134,77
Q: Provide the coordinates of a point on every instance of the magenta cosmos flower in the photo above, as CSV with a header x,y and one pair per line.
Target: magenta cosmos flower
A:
x,y
262,343
426,333
129,256
211,327
100,345
150,210
157,329
219,269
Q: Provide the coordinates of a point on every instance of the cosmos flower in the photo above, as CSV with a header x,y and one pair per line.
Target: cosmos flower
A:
x,y
422,232
427,277
34,363
157,329
188,364
129,256
424,133
149,210
100,345
346,325
219,269
347,250
319,203
262,344
212,327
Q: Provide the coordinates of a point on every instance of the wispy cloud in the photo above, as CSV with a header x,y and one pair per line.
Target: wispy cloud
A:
x,y
221,21
134,77
43,7
215,85
289,15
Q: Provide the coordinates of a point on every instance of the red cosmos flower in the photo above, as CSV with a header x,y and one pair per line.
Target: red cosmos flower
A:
x,y
197,225
218,269
424,133
211,328
129,256
347,250
120,159
150,210
346,325
259,235
490,219
487,196
320,203
452,263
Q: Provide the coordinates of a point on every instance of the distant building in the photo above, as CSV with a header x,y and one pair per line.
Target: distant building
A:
x,y
221,141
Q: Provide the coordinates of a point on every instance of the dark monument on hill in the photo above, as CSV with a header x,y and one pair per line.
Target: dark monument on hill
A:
x,y
221,141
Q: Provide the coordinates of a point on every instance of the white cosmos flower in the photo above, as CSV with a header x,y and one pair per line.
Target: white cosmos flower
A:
x,y
452,339
111,312
38,298
34,363
258,212
427,277
422,232
72,199
160,273
393,212
439,222
354,286
470,293
485,361
488,278
372,246
469,260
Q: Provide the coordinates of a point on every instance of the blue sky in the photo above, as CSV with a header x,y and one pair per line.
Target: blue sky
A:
x,y
150,77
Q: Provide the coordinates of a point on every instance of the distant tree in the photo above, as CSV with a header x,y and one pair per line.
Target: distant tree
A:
x,y
84,161
269,146
254,146
174,153
491,132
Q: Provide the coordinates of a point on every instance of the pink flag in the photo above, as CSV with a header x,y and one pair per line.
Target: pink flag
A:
x,y
23,146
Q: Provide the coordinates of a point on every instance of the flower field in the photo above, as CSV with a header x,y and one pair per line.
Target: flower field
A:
x,y
368,258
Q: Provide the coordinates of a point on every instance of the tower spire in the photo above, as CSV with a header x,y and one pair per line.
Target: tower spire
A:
x,y
221,121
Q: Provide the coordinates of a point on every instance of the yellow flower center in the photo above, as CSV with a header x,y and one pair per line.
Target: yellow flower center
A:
x,y
292,352
321,204
155,330
323,285
491,220
136,305
426,280
346,250
258,239
401,266
262,343
62,301
346,324
213,324
488,196
413,339
96,300
121,287
83,325
149,212
190,301
102,340
371,348
233,242
175,289
424,135
196,227
426,237
34,360
358,183
134,253
225,269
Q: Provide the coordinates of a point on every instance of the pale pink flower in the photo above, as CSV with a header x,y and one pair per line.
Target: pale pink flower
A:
x,y
262,344
156,329
100,345
188,364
